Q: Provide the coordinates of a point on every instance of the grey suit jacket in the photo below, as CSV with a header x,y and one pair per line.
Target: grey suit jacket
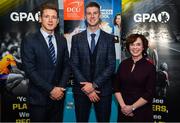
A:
x,y
104,65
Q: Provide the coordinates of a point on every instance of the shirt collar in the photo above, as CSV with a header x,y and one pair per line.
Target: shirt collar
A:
x,y
45,34
97,32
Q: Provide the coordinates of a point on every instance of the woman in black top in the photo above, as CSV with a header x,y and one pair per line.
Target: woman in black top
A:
x,y
135,82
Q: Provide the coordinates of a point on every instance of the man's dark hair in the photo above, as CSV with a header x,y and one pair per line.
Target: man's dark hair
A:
x,y
92,4
48,6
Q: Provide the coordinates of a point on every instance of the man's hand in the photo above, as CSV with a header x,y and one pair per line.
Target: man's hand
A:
x,y
93,96
87,88
57,93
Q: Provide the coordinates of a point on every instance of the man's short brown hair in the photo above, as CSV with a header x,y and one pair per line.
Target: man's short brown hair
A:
x,y
92,4
48,6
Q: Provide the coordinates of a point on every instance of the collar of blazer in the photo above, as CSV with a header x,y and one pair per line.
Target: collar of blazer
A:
x,y
100,44
43,42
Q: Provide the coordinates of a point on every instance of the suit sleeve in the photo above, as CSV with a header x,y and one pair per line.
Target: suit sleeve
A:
x,y
108,72
29,63
116,80
75,64
66,66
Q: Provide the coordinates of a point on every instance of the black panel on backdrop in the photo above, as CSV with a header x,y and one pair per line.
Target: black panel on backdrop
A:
x,y
17,20
159,20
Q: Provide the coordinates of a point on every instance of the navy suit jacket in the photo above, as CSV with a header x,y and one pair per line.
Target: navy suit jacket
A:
x,y
42,73
104,64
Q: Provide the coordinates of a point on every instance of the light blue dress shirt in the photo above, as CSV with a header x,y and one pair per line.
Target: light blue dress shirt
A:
x,y
89,36
45,35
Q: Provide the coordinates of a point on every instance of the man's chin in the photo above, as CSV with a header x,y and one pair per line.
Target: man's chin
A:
x,y
51,30
93,25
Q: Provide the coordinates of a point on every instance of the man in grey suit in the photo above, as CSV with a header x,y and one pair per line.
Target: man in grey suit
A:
x,y
93,65
45,60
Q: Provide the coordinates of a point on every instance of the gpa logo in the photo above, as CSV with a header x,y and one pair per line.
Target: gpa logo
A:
x,y
162,17
23,16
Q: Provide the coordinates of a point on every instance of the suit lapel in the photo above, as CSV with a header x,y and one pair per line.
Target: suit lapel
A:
x,y
100,44
85,44
43,42
44,45
58,48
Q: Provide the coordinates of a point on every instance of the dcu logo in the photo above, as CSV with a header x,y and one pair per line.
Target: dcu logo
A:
x,y
162,17
73,9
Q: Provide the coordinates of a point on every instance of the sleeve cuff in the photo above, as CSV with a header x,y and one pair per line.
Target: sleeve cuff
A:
x,y
94,85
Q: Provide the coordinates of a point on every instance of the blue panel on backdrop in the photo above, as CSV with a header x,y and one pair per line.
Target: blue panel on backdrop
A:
x,y
109,8
69,111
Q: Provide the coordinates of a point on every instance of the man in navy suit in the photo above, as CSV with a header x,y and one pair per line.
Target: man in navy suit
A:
x,y
45,61
93,64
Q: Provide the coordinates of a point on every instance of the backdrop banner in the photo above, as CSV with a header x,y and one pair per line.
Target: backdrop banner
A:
x,y
158,20
18,18
74,23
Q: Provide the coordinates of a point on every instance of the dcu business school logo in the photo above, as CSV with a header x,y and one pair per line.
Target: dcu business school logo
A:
x,y
73,9
162,17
